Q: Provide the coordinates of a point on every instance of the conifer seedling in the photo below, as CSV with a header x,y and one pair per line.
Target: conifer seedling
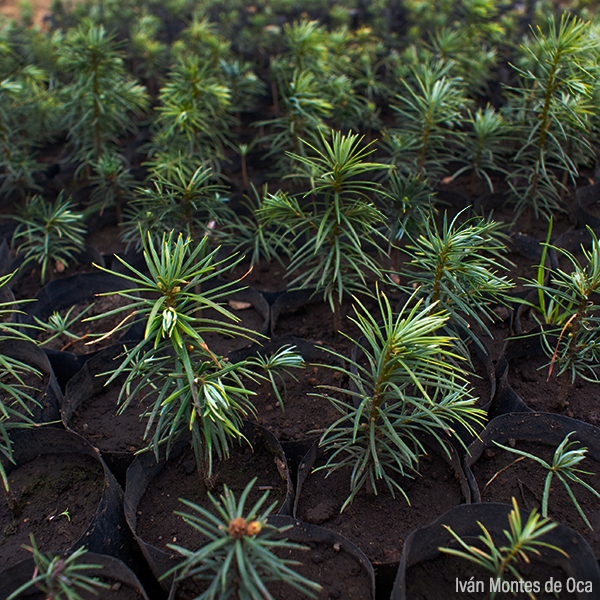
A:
x,y
240,556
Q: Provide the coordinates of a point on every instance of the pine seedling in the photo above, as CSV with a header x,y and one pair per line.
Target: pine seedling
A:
x,y
304,111
346,48
202,39
564,465
348,108
194,115
240,557
16,399
457,267
243,149
551,109
339,16
58,325
27,115
406,383
169,162
252,238
483,145
243,83
332,231
369,82
182,199
481,20
18,168
428,111
150,56
307,48
49,234
571,326
60,578
425,17
101,98
407,206
472,60
113,184
523,541
28,107
182,385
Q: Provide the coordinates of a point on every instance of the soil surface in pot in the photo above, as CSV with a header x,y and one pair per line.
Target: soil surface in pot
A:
x,y
338,572
379,524
435,579
265,276
29,284
314,321
528,377
43,489
222,344
304,414
96,419
89,331
524,480
179,479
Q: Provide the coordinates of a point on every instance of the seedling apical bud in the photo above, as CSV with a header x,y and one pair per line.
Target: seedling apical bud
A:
x,y
237,528
169,320
253,528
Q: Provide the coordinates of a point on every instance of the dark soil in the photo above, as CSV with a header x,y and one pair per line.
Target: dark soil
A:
x,y
42,489
96,419
305,413
525,479
336,570
266,277
29,283
580,400
379,524
314,321
220,343
158,525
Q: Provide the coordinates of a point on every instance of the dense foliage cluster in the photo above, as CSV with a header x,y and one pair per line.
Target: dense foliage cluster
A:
x,y
136,91
356,113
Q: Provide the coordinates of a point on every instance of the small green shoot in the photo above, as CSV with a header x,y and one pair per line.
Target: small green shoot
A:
x,y
60,578
16,397
58,325
331,233
523,540
564,466
459,265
